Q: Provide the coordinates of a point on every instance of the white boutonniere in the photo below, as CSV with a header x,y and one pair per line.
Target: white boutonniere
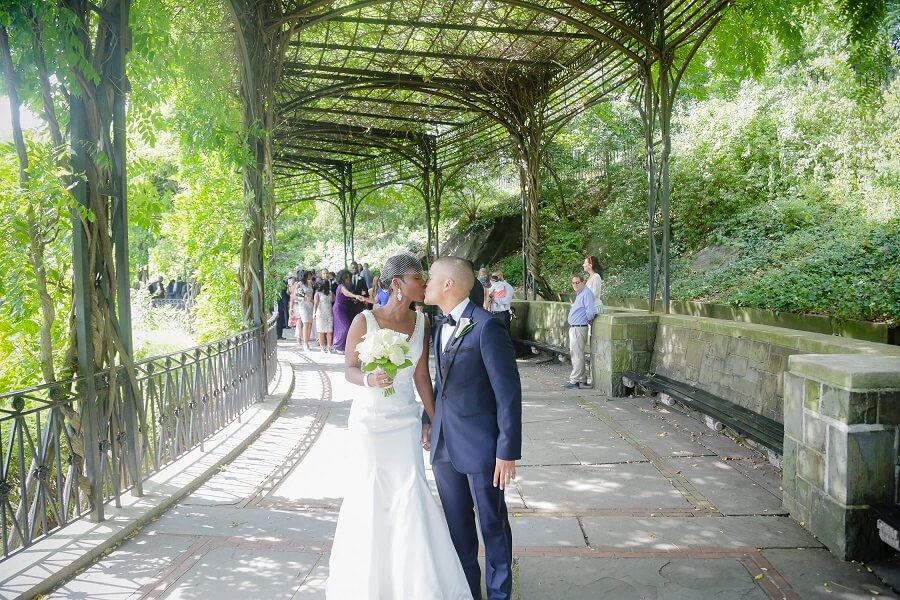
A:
x,y
465,326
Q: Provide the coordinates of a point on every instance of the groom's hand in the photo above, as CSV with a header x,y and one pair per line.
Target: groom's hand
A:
x,y
504,473
426,437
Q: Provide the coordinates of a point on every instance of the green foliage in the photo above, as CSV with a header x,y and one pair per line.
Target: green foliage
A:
x,y
562,252
200,237
473,192
847,272
785,186
186,197
44,203
512,269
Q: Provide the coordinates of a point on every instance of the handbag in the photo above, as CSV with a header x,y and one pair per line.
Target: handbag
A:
x,y
292,322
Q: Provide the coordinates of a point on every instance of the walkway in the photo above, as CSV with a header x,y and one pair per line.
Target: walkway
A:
x,y
615,499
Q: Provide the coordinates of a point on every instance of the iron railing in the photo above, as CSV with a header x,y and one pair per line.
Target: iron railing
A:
x,y
183,398
178,303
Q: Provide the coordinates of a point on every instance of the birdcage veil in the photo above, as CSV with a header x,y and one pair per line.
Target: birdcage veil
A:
x,y
397,266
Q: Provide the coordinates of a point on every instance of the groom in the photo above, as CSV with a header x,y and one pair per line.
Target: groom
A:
x,y
476,436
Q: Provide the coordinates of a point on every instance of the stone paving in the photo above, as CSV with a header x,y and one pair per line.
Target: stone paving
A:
x,y
616,499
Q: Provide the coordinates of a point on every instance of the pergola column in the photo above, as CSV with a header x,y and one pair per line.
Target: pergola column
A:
x,y
656,115
352,204
431,194
528,146
109,422
131,409
261,53
83,302
518,98
659,77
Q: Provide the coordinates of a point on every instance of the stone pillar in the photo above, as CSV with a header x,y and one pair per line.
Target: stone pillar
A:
x,y
620,342
841,417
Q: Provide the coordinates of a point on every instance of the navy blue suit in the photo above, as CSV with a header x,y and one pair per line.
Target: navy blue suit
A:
x,y
478,418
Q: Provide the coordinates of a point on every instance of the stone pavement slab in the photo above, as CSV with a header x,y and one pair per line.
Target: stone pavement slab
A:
x,y
570,488
244,572
681,533
317,480
604,448
546,452
726,487
248,473
815,574
245,523
125,574
538,530
635,579
663,438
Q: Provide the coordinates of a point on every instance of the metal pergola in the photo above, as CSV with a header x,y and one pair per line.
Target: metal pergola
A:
x,y
362,93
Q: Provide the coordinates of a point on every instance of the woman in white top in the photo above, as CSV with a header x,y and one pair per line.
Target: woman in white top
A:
x,y
595,280
323,303
302,305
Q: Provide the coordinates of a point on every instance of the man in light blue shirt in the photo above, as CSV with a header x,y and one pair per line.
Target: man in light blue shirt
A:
x,y
581,314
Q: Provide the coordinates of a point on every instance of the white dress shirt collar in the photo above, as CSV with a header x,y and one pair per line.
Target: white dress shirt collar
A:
x,y
460,308
447,330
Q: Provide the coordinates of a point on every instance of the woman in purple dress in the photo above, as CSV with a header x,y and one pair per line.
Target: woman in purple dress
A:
x,y
343,311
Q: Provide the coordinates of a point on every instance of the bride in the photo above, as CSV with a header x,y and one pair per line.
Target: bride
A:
x,y
392,540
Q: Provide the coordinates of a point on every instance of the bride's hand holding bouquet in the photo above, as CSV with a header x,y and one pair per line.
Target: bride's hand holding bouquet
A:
x,y
384,350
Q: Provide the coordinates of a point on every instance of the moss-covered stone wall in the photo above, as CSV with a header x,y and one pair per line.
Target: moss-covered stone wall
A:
x,y
861,330
742,362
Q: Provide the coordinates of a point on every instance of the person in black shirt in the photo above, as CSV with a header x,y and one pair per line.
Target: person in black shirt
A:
x,y
284,299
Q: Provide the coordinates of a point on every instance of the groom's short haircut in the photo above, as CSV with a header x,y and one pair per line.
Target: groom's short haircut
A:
x,y
459,270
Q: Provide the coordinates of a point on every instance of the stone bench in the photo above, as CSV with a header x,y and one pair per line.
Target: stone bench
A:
x,y
557,352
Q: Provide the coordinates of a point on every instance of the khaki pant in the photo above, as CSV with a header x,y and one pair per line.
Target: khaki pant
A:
x,y
578,337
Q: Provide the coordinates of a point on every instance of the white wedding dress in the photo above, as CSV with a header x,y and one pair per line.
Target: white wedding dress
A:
x,y
392,541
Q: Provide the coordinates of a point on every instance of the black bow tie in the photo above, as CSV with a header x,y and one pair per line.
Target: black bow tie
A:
x,y
448,320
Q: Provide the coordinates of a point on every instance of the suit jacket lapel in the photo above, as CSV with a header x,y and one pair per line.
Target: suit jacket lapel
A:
x,y
453,344
437,348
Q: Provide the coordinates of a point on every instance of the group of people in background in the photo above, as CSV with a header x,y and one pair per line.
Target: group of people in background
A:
x,y
323,304
326,303
179,289
498,295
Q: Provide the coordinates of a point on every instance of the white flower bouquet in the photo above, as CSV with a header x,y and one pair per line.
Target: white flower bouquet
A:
x,y
384,349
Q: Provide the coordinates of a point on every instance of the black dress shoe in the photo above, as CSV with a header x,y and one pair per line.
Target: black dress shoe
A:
x,y
571,386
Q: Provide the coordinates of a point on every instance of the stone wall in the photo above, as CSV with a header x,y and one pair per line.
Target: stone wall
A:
x,y
882,333
545,322
518,327
841,418
742,362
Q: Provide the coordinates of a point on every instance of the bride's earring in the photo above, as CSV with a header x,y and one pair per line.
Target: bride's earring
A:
x,y
399,295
